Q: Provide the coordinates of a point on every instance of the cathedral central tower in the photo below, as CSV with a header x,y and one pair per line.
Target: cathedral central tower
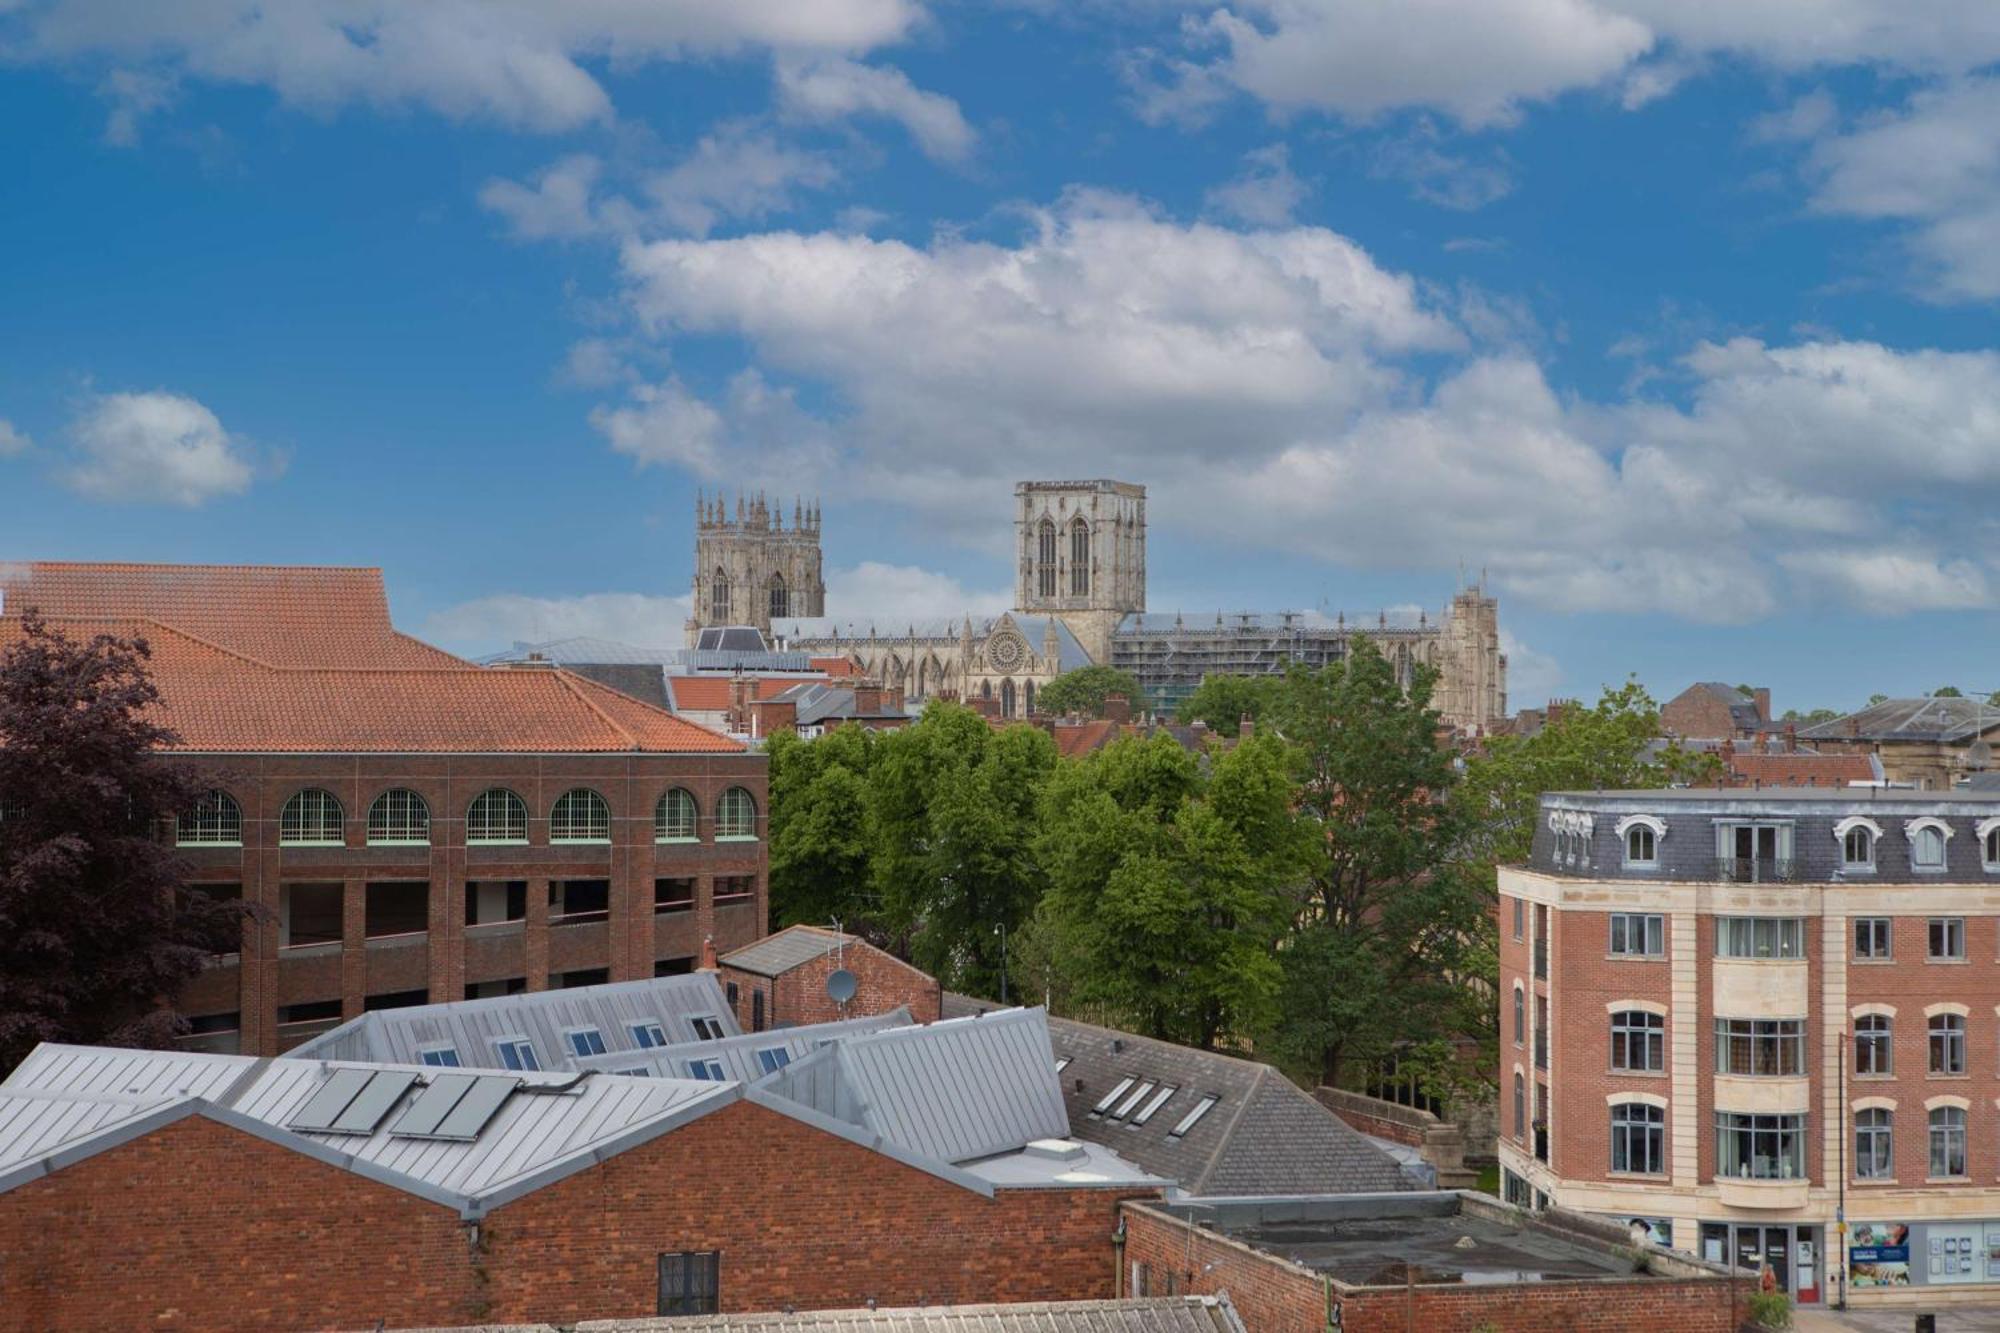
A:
x,y
1082,555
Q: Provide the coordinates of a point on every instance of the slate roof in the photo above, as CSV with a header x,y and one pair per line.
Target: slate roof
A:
x,y
1742,707
1952,721
63,1101
738,1055
1263,1135
1169,1314
471,1026
583,649
824,631
261,660
775,955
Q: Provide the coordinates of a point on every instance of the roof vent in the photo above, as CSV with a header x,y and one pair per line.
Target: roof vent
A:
x,y
1055,1150
1117,1044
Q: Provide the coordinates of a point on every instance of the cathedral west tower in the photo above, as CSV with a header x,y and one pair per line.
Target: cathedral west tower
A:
x,y
751,569
1082,551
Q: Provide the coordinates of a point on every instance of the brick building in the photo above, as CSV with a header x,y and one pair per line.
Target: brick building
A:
x,y
913,1166
1709,710
1442,1262
1726,1015
1931,743
415,827
782,979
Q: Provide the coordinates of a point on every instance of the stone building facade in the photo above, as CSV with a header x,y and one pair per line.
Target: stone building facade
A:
x,y
751,569
1080,599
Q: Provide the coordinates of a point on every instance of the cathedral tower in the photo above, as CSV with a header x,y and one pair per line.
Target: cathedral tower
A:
x,y
749,568
1082,550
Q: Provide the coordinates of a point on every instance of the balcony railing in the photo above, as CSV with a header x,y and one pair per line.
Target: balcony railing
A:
x,y
1757,870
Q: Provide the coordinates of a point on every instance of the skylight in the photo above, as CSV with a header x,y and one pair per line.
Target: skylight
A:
x,y
1160,1099
586,1041
711,1070
649,1033
706,1028
1192,1118
1139,1094
1112,1096
774,1059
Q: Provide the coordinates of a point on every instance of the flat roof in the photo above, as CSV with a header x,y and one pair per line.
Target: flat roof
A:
x,y
1772,795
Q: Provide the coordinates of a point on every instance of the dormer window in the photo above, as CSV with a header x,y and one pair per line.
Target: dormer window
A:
x,y
1927,840
1989,844
1857,838
1641,836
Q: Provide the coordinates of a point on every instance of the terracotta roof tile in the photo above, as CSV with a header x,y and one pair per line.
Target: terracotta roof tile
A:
x,y
1803,770
710,694
251,675
285,615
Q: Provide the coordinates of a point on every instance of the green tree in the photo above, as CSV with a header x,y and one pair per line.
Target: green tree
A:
x,y
97,930
1084,690
1874,699
1165,886
1222,702
1811,718
821,868
952,824
1947,692
1391,931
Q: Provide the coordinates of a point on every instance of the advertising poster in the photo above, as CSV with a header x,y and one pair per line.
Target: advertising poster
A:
x,y
1878,1254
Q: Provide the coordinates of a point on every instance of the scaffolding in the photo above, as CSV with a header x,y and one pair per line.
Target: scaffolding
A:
x,y
1169,657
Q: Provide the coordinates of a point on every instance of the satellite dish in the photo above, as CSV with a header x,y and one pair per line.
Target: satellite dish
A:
x,y
841,985
1979,754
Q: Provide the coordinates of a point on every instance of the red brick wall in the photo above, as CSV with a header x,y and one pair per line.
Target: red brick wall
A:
x,y
1580,1032
883,981
448,956
1276,1297
200,1226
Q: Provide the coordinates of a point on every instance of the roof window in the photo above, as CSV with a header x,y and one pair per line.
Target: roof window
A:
x,y
1151,1108
1112,1096
648,1034
516,1053
1193,1118
585,1041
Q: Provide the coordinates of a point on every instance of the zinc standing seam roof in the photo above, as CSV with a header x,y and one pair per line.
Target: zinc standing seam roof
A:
x,y
398,1036
554,1121
738,1055
1181,1314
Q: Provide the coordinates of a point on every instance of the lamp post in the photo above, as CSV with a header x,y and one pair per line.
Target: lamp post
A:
x,y
1003,962
1840,1208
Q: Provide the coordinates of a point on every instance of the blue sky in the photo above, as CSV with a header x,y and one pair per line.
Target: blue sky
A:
x,y
1677,319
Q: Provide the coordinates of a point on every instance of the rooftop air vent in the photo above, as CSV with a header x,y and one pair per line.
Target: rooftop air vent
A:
x,y
1056,1150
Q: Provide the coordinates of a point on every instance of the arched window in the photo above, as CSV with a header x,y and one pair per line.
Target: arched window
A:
x,y
580,815
674,817
986,689
1641,847
1874,1143
312,818
399,815
1858,847
736,815
1927,839
1990,848
1520,1106
215,821
1007,697
1520,1016
718,597
1947,1142
496,815
1045,564
1638,1041
1030,694
1079,558
1638,1138
781,602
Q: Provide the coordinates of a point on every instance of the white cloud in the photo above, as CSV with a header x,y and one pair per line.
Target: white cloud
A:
x,y
489,624
1934,165
12,440
893,595
1267,194
1894,582
834,88
1532,677
664,425
134,95
758,430
157,447
1805,119
735,171
1446,179
516,62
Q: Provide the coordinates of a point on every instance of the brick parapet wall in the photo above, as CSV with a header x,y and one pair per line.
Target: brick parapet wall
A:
x,y
883,982
1274,1295
201,1226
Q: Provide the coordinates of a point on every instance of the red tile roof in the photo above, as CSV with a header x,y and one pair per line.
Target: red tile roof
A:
x,y
1801,770
350,684
710,694
283,615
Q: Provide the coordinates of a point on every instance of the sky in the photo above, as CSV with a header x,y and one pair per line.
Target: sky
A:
x,y
1673,320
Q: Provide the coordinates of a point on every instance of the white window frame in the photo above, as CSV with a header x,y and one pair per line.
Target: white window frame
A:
x,y
521,1049
1954,928
1202,1107
647,1033
512,802
725,819
594,819
300,816
581,1037
429,1049
208,824
1988,844
773,1058
1888,925
1882,1143
713,1025
663,827
415,811
1882,1040
1646,921
707,1071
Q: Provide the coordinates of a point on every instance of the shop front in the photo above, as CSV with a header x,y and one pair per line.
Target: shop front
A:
x,y
1793,1252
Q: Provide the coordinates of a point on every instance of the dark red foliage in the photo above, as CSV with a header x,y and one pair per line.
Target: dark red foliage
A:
x,y
97,931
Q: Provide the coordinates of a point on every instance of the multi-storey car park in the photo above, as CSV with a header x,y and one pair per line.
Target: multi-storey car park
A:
x,y
1739,1018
